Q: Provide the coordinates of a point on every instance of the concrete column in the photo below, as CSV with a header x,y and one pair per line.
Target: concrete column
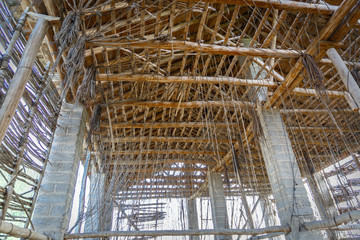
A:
x,y
54,202
218,203
254,69
100,208
192,217
287,186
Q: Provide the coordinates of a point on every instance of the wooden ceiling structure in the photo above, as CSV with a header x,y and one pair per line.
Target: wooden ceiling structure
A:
x,y
177,82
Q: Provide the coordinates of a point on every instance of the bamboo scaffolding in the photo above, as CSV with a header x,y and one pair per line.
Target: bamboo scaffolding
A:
x,y
275,229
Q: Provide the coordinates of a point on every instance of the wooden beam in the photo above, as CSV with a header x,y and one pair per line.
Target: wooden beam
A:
x,y
200,47
167,139
171,125
21,76
193,104
185,79
281,5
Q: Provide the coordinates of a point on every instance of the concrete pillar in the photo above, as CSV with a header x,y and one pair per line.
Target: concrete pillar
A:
x,y
253,71
218,203
54,202
286,183
192,217
100,208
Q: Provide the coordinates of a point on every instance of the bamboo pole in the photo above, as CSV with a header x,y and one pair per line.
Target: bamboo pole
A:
x,y
200,47
333,222
315,111
185,79
192,104
167,139
23,72
170,125
274,229
281,5
9,50
345,75
164,151
15,231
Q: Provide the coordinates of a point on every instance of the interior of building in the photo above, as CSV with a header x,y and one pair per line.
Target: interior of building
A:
x,y
179,119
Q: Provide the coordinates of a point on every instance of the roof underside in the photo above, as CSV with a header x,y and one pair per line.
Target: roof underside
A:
x,y
177,82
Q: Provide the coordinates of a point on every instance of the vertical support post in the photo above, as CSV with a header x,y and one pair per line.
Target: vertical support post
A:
x,y
284,174
346,77
54,202
192,217
23,72
218,203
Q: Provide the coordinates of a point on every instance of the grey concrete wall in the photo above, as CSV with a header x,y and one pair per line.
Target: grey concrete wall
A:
x,y
218,203
54,202
287,186
192,217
